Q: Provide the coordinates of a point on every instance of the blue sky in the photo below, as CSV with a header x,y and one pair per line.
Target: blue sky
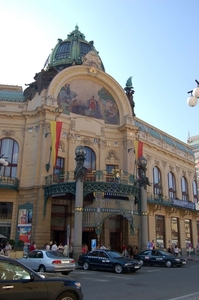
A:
x,y
155,41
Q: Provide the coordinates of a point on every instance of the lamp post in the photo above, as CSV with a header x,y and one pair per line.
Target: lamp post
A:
x,y
143,182
3,161
79,176
193,99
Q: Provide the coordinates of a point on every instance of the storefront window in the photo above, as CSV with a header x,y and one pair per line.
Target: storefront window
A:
x,y
188,233
160,229
5,218
174,232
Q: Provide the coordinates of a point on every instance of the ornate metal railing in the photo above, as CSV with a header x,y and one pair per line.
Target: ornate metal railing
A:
x,y
166,201
9,182
117,176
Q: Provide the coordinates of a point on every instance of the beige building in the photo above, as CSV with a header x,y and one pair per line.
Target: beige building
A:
x,y
41,201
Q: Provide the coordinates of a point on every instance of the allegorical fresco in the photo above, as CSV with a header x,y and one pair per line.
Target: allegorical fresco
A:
x,y
87,98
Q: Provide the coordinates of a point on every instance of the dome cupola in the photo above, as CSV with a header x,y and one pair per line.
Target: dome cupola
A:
x,y
74,50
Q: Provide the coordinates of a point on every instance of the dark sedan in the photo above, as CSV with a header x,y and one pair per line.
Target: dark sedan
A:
x,y
20,282
108,260
159,258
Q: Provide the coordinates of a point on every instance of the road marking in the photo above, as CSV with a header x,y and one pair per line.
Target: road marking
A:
x,y
194,296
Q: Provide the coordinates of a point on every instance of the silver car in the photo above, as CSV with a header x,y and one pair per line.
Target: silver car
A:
x,y
48,261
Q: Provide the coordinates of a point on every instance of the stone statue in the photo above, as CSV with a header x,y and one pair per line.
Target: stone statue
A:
x,y
80,170
129,92
42,81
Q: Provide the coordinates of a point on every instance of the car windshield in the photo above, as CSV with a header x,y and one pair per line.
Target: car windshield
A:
x,y
114,254
165,253
53,254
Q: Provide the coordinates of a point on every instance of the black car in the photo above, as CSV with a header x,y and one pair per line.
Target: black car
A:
x,y
108,260
159,258
20,282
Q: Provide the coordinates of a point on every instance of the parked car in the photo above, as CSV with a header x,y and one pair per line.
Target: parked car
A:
x,y
108,260
48,261
20,282
159,258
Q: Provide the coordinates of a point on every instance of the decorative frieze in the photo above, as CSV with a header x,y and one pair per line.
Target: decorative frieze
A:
x,y
8,132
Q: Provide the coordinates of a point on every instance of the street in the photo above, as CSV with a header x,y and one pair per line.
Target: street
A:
x,y
151,283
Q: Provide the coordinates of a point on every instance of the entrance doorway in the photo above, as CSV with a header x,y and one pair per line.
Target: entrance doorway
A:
x,y
87,236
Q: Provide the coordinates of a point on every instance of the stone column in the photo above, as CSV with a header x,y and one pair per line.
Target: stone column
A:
x,y
143,182
78,219
144,218
79,176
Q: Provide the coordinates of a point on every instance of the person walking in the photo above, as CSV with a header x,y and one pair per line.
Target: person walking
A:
x,y
54,246
176,250
32,247
7,249
66,250
71,251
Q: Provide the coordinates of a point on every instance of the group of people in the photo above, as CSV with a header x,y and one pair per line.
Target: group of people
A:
x,y
129,251
67,250
5,249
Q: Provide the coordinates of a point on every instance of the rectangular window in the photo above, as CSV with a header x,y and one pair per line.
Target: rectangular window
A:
x,y
160,231
175,232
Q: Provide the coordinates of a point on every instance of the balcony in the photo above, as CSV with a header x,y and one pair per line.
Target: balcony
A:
x,y
117,176
9,183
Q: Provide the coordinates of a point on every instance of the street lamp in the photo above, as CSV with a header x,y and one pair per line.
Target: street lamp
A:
x,y
3,161
193,99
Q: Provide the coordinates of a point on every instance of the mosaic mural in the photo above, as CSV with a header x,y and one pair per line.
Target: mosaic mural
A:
x,y
87,98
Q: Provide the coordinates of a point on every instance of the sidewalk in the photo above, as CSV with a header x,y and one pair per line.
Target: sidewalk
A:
x,y
191,258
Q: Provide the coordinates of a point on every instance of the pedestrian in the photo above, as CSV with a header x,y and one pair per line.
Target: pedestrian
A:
x,y
25,249
190,248
60,248
125,253
54,246
176,250
85,249
7,249
66,250
71,251
197,249
32,247
47,246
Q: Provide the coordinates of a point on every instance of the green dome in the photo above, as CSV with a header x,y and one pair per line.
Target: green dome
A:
x,y
74,50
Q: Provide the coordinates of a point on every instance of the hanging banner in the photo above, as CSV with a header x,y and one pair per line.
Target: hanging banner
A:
x,y
55,137
138,146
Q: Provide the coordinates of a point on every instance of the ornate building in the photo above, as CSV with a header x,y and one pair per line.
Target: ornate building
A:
x,y
46,197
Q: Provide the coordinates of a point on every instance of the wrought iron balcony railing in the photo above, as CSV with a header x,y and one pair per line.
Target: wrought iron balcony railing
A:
x,y
9,182
117,176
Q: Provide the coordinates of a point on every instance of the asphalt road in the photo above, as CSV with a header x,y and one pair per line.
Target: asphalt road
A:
x,y
150,283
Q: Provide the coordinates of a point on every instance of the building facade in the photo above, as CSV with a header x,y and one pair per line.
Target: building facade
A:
x,y
41,200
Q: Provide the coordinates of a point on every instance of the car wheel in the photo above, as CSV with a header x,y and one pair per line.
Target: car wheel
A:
x,y
85,265
67,296
141,262
168,263
118,269
42,268
65,272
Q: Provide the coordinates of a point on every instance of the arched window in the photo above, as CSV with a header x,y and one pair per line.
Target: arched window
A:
x,y
184,189
157,190
10,149
195,192
90,161
171,185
